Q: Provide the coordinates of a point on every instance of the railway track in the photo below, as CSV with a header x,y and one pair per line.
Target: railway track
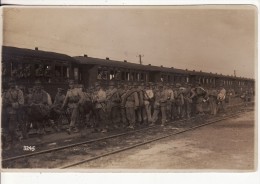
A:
x,y
98,148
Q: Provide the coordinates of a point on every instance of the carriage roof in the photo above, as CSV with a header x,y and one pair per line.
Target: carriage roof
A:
x,y
22,52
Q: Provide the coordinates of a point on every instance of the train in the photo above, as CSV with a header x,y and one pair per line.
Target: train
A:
x,y
55,69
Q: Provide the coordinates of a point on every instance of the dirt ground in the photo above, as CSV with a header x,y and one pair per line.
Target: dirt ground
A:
x,y
222,146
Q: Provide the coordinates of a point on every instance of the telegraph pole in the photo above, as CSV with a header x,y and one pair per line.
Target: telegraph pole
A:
x,y
140,58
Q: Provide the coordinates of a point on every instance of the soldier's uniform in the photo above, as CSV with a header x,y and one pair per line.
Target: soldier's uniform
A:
x,y
148,101
56,108
179,101
113,105
187,100
170,101
221,98
12,102
99,98
122,94
71,101
40,109
160,104
141,112
212,93
199,97
131,103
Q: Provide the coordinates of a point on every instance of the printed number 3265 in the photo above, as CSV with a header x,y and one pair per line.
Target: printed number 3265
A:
x,y
29,148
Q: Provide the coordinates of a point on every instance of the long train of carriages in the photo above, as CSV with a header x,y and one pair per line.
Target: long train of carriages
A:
x,y
103,92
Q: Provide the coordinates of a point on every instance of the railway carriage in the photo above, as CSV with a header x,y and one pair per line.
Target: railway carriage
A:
x,y
26,66
54,70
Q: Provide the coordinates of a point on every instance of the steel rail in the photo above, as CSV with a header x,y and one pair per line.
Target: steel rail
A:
x,y
81,143
147,142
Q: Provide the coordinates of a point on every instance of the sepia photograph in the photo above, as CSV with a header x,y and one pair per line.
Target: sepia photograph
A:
x,y
129,88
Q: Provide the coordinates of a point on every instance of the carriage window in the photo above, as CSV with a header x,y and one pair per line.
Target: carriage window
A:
x,y
138,76
112,75
131,76
117,75
57,71
127,76
102,74
142,77
187,79
66,72
123,76
76,73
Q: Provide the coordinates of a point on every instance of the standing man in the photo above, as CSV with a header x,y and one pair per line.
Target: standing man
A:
x,y
221,98
40,109
187,100
179,101
56,109
113,104
212,93
12,102
141,112
122,94
99,99
160,105
148,101
199,96
170,100
131,103
71,101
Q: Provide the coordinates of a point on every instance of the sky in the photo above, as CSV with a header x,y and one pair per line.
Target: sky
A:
x,y
218,39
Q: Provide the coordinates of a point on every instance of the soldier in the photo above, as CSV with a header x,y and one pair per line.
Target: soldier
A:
x,y
122,94
148,101
99,99
56,111
179,101
160,105
170,100
212,93
12,102
131,103
71,100
141,112
199,96
113,104
39,108
221,98
187,100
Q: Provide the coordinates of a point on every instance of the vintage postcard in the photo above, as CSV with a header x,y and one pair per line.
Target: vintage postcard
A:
x,y
136,88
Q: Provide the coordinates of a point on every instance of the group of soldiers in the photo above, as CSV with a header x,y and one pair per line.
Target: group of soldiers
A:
x,y
124,105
